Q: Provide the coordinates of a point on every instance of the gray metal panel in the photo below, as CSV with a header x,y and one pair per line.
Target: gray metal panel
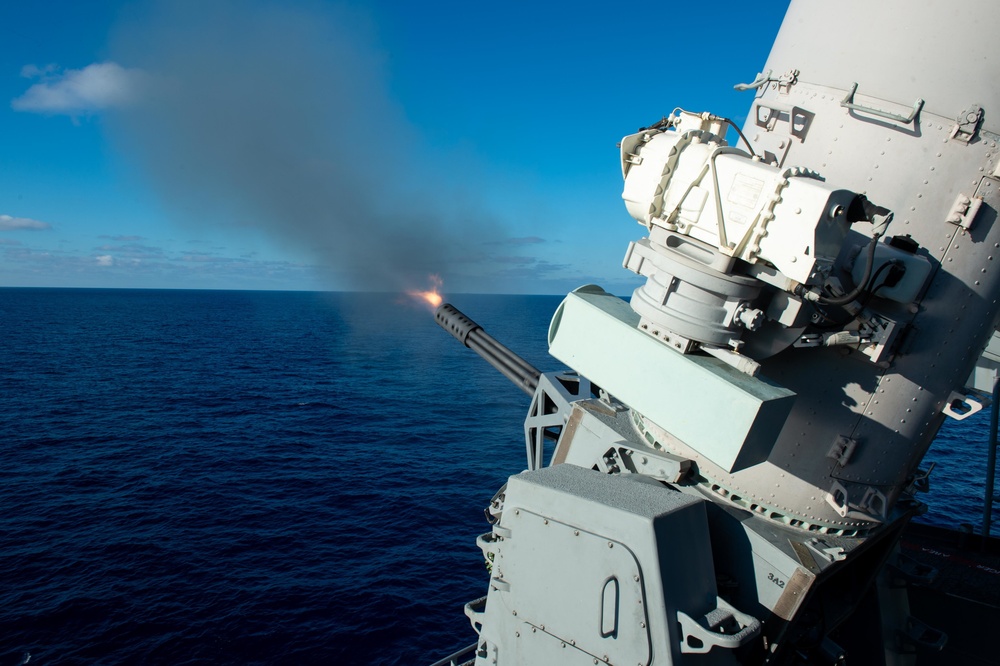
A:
x,y
960,308
564,532
952,66
918,172
593,603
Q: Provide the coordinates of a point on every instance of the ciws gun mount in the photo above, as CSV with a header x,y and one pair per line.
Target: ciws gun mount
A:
x,y
814,307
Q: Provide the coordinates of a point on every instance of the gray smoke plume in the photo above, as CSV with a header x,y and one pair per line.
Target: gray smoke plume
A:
x,y
278,117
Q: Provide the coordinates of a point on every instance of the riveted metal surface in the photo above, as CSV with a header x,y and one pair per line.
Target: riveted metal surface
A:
x,y
893,412
828,43
558,588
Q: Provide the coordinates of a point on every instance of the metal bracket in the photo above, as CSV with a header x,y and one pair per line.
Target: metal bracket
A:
x,y
550,407
922,636
659,465
910,571
475,610
723,627
874,503
826,551
848,103
837,498
798,118
961,407
881,338
967,124
771,147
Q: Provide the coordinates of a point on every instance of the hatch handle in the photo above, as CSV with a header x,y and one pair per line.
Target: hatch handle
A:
x,y
848,103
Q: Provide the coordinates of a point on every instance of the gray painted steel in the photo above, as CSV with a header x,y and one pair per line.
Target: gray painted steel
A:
x,y
734,490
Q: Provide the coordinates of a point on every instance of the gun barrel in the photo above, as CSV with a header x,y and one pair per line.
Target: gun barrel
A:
x,y
469,333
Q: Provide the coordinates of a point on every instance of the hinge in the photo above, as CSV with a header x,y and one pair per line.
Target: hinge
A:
x,y
967,124
787,80
842,449
963,212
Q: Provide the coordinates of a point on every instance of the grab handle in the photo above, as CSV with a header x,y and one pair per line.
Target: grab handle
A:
x,y
848,103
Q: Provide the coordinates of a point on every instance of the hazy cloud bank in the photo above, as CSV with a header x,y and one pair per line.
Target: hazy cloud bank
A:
x,y
131,267
10,223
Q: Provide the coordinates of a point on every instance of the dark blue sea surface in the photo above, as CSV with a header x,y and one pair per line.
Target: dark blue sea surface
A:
x,y
210,477
958,479
247,477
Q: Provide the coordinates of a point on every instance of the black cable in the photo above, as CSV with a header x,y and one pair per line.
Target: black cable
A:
x,y
885,283
878,272
736,127
831,323
854,293
667,120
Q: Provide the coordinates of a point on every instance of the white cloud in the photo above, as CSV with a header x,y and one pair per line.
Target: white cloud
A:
x,y
9,223
103,85
105,260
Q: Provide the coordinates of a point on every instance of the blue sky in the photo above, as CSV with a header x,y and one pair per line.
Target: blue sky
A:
x,y
362,145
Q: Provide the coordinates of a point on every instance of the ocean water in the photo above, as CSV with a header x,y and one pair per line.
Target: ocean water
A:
x,y
202,477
